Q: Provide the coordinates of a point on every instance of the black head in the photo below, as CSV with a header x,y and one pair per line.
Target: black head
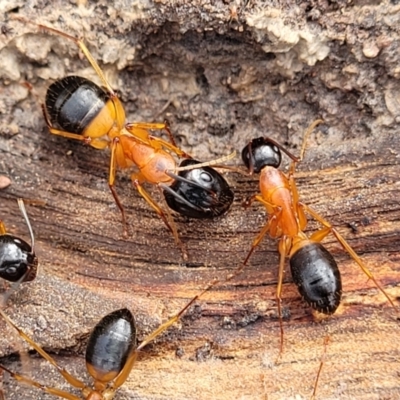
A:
x,y
261,152
16,259
199,192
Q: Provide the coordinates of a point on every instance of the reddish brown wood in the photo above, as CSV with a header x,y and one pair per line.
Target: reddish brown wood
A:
x,y
229,344
87,270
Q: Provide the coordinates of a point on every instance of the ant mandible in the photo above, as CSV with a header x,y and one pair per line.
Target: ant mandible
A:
x,y
18,261
314,270
110,354
78,109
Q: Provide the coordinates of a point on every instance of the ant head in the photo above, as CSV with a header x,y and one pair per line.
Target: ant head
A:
x,y
261,152
17,261
199,192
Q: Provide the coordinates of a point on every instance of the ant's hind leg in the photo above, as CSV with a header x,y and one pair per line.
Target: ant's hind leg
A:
x,y
137,129
165,216
117,154
67,376
47,389
326,342
123,375
328,228
284,246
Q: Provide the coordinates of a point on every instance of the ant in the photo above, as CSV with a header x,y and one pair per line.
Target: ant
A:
x,y
110,354
78,109
314,270
18,261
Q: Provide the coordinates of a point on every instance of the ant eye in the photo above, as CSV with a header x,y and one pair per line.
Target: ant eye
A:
x,y
206,177
11,271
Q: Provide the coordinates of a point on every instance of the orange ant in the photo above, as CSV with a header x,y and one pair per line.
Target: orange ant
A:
x,y
110,354
314,270
18,261
78,109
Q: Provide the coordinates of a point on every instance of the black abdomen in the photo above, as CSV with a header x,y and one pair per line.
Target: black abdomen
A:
x,y
73,102
110,344
317,277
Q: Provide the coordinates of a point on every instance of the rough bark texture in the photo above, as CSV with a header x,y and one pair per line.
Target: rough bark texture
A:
x,y
222,73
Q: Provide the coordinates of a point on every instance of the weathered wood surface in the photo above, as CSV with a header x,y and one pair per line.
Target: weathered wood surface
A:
x,y
229,343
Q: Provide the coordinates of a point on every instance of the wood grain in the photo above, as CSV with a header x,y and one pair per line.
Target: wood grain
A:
x,y
230,340
212,69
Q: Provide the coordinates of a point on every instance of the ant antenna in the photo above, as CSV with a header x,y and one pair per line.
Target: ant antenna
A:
x,y
207,163
22,208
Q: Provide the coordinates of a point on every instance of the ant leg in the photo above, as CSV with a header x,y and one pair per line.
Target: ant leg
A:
x,y
284,245
270,226
326,342
47,389
67,376
173,226
158,126
257,241
319,235
171,321
94,142
249,201
126,370
169,133
295,196
135,127
59,132
117,154
169,146
156,207
270,210
123,375
70,135
155,126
